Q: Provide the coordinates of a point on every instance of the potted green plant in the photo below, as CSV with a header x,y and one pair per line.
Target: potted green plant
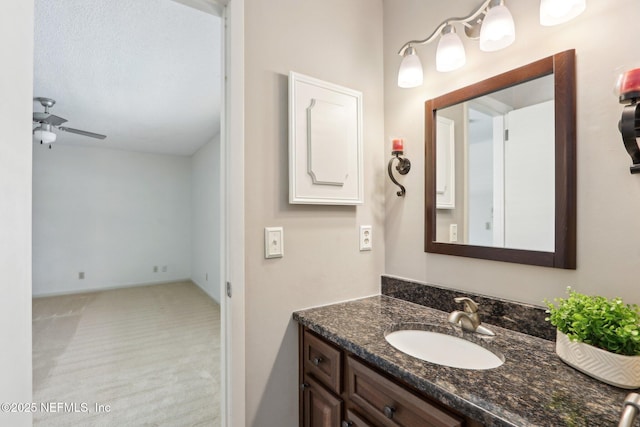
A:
x,y
598,336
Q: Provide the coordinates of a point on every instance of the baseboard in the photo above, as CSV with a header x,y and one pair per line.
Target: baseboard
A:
x,y
107,288
216,298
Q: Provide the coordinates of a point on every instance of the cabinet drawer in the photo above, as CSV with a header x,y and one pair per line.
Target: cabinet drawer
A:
x,y
353,419
323,362
387,403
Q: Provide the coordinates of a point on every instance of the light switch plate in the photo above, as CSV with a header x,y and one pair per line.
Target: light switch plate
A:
x,y
365,238
273,242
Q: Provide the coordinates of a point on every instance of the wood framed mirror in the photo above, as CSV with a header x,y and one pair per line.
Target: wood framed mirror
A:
x,y
500,167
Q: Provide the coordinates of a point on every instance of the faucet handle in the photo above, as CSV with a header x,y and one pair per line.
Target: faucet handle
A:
x,y
470,305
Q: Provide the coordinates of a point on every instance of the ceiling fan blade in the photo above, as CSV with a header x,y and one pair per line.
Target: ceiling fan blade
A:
x,y
55,120
49,119
82,132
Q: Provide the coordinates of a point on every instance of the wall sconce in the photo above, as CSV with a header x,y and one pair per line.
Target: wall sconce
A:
x,y
629,125
403,166
491,23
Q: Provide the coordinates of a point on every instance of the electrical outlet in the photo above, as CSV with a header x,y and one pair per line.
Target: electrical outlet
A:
x,y
155,268
453,232
366,242
81,275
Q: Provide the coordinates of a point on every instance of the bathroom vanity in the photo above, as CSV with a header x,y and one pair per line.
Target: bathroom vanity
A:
x,y
351,376
337,382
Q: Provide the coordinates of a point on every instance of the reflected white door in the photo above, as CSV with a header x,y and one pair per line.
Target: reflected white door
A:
x,y
529,184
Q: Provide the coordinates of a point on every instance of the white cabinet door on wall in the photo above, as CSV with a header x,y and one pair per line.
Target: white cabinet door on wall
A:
x,y
325,143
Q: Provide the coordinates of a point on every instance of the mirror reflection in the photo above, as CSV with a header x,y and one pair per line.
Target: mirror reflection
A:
x,y
500,175
495,169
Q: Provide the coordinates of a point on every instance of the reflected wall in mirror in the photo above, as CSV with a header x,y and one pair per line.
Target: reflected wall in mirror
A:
x,y
500,181
506,140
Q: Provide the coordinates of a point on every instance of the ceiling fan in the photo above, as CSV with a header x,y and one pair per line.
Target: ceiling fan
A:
x,y
46,122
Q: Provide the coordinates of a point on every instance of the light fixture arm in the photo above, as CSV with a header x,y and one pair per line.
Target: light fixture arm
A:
x,y
439,28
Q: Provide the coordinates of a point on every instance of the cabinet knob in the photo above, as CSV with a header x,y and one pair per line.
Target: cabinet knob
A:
x,y
389,411
304,386
347,423
317,360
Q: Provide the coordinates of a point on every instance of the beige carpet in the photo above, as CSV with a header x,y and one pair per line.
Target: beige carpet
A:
x,y
151,353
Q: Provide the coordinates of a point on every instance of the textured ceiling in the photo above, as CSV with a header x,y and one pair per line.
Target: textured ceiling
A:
x,y
146,73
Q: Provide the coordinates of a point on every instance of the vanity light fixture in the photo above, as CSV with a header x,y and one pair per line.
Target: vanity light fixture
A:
x,y
450,53
629,125
498,29
554,12
403,166
410,74
491,23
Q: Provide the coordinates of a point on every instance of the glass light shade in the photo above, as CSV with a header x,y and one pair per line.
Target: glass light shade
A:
x,y
554,12
47,137
498,29
450,53
410,73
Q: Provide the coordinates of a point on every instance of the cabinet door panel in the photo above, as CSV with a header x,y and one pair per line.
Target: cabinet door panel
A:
x,y
320,407
391,405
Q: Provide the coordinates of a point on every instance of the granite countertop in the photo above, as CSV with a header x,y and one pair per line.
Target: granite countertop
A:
x,y
532,388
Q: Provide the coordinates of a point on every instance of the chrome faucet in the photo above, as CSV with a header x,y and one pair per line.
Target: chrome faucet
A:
x,y
468,320
630,410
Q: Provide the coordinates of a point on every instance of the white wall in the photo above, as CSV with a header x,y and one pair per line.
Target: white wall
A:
x,y
16,81
340,42
205,218
111,214
608,254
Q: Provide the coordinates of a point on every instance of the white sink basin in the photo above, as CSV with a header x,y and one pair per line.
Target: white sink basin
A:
x,y
444,349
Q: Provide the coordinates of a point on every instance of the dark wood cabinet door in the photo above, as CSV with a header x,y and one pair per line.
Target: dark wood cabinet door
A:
x,y
320,407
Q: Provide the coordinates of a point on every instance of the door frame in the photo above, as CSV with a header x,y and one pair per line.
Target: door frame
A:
x,y
232,223
232,210
231,226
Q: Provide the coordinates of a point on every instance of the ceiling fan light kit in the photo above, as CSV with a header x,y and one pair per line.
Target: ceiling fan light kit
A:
x,y
43,135
46,122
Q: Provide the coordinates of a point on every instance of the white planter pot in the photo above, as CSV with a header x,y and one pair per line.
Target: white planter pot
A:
x,y
615,369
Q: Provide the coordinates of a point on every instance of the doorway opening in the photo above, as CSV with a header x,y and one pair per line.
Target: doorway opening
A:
x,y
128,228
